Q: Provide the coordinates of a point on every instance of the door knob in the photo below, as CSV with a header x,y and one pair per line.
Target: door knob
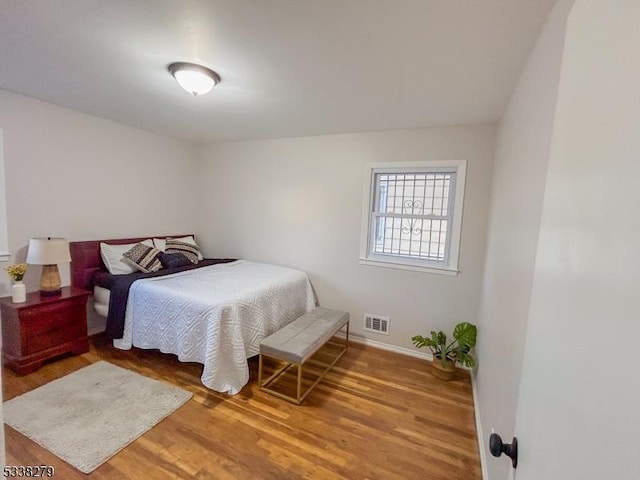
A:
x,y
497,448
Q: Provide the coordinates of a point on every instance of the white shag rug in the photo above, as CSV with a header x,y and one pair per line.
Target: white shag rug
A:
x,y
90,415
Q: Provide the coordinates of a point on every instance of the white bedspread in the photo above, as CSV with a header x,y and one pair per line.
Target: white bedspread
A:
x,y
215,315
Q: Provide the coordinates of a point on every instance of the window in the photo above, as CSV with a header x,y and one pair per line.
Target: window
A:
x,y
413,215
4,247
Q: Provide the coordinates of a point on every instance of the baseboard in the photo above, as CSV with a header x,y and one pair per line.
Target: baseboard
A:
x,y
479,432
95,330
386,346
393,348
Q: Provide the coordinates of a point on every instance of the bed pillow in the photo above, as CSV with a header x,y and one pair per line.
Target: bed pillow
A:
x,y
112,256
173,260
189,250
144,258
160,243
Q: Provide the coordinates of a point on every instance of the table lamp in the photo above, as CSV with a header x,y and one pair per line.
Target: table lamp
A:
x,y
49,252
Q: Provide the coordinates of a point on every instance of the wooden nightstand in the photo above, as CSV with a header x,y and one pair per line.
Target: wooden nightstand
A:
x,y
43,328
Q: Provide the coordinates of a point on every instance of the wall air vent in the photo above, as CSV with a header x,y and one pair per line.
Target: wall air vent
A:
x,y
376,323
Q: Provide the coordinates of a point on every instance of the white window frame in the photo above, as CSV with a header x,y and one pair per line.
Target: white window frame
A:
x,y
4,243
447,267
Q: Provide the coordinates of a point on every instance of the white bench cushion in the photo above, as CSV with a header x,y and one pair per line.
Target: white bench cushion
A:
x,y
300,339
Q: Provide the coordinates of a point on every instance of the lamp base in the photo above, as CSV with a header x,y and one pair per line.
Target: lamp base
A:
x,y
50,293
50,281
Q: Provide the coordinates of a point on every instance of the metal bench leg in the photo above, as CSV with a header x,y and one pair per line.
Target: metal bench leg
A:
x,y
346,338
299,389
300,395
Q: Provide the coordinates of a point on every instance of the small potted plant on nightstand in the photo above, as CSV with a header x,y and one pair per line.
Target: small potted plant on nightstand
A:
x,y
446,353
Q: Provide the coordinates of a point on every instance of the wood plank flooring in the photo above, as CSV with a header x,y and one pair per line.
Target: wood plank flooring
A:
x,y
376,415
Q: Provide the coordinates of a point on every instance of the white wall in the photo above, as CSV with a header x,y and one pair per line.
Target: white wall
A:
x,y
81,177
578,415
298,202
519,175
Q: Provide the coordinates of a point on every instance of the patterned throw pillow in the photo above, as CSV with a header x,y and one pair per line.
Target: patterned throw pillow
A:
x,y
144,258
187,249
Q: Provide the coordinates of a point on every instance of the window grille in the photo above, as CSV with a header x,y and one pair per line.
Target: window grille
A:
x,y
412,217
411,214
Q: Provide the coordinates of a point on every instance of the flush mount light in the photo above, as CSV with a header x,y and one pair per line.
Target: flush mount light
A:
x,y
195,79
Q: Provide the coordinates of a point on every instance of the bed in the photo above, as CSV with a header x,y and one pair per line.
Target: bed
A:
x,y
215,315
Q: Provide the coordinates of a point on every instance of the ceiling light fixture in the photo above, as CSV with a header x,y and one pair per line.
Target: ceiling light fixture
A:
x,y
195,79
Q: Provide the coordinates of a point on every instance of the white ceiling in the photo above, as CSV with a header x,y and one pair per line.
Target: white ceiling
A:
x,y
288,67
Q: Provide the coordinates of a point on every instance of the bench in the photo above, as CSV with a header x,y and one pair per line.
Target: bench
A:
x,y
297,342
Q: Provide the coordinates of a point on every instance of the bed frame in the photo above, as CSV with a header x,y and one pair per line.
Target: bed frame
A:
x,y
86,259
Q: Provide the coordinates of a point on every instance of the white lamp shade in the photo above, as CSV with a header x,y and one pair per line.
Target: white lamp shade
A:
x,y
48,251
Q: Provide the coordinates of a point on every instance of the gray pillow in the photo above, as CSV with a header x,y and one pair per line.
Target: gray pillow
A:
x,y
174,260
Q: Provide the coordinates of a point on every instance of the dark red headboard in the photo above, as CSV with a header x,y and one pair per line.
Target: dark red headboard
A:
x,y
86,259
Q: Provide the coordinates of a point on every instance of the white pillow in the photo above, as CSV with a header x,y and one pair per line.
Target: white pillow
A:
x,y
113,259
161,243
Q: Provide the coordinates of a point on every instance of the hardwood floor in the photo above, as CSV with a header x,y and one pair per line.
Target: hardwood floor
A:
x,y
377,415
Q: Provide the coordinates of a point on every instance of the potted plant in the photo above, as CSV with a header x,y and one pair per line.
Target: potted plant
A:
x,y
18,289
446,353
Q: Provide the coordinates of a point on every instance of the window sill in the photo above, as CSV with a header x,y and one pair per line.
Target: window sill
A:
x,y
4,256
415,268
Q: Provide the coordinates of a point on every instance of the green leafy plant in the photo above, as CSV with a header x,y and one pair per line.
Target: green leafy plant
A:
x,y
464,339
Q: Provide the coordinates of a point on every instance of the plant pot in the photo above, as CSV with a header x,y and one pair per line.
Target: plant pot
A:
x,y
444,372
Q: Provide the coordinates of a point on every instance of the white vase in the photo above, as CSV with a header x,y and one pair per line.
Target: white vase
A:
x,y
19,292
